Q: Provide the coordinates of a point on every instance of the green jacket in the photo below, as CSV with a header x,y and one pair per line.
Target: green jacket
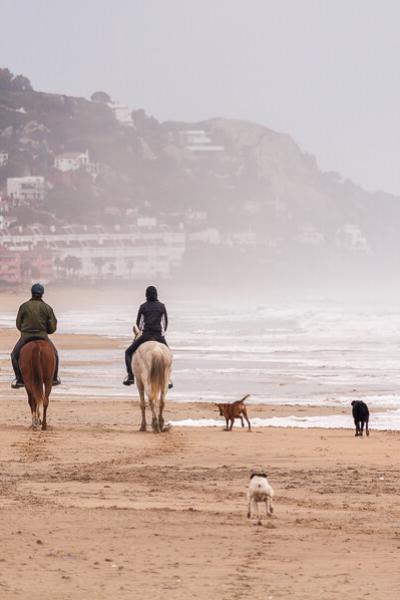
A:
x,y
35,318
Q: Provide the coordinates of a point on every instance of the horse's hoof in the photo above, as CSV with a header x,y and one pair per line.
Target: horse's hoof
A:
x,y
44,427
143,428
166,428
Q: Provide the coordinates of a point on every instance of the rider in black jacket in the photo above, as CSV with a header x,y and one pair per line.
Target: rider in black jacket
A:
x,y
152,320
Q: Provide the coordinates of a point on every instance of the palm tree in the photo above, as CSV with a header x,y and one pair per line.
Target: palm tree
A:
x,y
72,264
99,261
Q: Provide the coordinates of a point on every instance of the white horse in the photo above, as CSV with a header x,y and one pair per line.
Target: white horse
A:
x,y
151,366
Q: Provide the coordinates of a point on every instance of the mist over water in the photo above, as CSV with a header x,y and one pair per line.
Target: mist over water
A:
x,y
225,184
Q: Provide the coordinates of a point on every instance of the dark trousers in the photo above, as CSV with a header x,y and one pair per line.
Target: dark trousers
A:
x,y
145,337
15,357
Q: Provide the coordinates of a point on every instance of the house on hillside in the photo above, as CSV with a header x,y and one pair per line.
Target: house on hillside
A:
x,y
122,113
198,141
26,188
72,161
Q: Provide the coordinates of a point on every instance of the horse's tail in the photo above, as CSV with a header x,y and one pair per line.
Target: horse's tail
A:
x,y
158,375
37,373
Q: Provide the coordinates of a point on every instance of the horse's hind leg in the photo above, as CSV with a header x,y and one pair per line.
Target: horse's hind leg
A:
x,y
143,424
34,410
161,410
154,422
32,405
45,405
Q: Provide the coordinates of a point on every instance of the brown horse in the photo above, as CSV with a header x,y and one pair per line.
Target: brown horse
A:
x,y
151,365
37,362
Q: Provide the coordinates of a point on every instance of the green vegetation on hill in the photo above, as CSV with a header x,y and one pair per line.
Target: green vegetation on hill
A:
x,y
266,198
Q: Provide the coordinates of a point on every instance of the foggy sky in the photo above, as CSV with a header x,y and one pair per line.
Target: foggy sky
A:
x,y
324,71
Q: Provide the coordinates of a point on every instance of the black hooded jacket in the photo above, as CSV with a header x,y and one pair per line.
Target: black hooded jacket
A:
x,y
152,317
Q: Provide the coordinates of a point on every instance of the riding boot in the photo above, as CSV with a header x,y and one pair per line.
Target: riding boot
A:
x,y
56,379
129,380
18,381
16,384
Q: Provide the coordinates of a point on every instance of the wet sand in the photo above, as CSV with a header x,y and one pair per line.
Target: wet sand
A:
x,y
92,508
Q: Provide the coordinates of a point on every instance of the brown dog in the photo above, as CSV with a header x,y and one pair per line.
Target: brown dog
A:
x,y
234,410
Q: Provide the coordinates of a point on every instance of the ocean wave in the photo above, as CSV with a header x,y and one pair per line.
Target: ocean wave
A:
x,y
389,421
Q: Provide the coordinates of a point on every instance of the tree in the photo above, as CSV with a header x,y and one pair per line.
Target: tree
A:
x,y
9,83
129,264
72,264
99,261
6,78
21,84
101,98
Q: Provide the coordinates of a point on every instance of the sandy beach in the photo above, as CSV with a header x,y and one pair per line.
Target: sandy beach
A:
x,y
92,508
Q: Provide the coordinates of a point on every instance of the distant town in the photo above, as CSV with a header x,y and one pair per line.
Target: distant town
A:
x,y
93,252
93,190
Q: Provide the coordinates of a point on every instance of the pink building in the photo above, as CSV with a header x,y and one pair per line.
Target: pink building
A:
x,y
10,266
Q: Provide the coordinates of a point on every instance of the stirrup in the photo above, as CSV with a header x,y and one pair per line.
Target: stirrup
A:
x,y
56,381
129,380
170,385
17,383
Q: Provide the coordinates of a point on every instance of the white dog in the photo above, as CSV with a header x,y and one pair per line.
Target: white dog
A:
x,y
259,491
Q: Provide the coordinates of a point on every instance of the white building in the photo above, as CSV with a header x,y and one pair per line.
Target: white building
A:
x,y
350,237
206,236
26,188
197,140
4,223
123,252
122,113
72,161
3,159
146,222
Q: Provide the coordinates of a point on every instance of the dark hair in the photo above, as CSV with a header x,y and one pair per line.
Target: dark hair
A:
x,y
258,475
151,293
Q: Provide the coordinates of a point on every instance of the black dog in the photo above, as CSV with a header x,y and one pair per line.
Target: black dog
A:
x,y
360,416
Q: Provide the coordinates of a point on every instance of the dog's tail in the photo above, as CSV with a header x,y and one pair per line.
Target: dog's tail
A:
x,y
243,399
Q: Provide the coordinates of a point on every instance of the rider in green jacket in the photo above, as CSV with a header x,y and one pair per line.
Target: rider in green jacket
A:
x,y
35,320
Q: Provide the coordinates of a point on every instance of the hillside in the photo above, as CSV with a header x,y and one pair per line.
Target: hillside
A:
x,y
238,189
